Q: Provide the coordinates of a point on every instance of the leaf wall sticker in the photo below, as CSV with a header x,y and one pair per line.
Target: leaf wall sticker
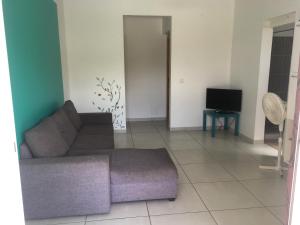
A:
x,y
110,104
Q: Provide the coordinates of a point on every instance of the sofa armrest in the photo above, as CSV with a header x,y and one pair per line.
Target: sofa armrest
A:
x,y
65,186
96,118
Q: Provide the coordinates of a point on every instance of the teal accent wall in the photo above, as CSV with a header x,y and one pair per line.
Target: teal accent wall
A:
x,y
34,60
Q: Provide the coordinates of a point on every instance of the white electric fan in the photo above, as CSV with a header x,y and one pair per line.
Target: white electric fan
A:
x,y
275,111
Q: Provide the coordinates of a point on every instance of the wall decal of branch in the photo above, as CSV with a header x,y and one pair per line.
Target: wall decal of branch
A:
x,y
108,95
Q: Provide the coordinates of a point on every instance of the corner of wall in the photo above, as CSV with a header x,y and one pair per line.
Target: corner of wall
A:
x,y
63,48
232,41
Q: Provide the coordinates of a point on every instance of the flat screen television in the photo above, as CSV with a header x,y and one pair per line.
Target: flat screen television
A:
x,y
227,100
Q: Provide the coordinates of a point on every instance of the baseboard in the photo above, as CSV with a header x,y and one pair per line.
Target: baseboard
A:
x,y
120,131
273,136
186,128
250,140
242,136
145,119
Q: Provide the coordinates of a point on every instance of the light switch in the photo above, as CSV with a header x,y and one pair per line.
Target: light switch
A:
x,y
181,80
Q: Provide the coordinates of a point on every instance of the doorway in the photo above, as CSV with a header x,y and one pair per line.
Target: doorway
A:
x,y
281,54
147,52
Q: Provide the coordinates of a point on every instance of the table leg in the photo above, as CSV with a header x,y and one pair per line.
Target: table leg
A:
x,y
213,126
225,123
204,121
237,125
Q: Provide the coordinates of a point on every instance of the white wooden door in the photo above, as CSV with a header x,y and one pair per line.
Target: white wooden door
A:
x,y
11,206
292,90
294,184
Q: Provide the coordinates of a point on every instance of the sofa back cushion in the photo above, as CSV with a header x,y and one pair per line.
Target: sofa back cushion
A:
x,y
65,126
25,152
45,140
72,114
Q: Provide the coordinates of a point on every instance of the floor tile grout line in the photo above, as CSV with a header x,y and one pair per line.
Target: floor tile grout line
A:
x,y
223,161
117,218
242,185
232,141
200,197
178,213
257,179
253,195
217,161
161,136
223,167
197,140
204,147
234,209
237,180
196,192
268,208
148,213
59,223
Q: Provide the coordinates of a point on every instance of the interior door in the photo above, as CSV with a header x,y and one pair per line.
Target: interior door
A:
x,y
11,206
292,90
294,169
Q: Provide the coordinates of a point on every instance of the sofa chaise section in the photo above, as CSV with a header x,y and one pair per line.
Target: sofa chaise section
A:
x,y
63,186
142,174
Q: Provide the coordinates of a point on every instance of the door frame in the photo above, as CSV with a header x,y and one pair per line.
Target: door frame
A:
x,y
264,67
168,34
273,135
11,204
294,206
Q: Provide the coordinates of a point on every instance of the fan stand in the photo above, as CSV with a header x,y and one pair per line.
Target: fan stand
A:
x,y
279,167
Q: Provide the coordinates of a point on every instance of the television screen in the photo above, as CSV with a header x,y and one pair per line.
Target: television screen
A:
x,y
224,99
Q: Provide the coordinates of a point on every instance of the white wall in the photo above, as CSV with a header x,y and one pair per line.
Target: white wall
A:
x,y
200,55
63,52
145,67
11,203
249,70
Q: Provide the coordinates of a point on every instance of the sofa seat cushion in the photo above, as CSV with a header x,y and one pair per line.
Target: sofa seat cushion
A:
x,y
82,152
106,129
142,174
64,126
72,114
93,142
45,140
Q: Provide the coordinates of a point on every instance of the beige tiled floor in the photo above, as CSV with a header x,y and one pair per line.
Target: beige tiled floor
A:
x,y
219,182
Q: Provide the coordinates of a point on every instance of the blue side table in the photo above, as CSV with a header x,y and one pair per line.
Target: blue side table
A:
x,y
218,114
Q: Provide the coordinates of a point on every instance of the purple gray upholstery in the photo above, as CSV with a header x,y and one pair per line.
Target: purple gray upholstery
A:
x,y
96,129
44,140
87,173
72,114
93,141
25,152
142,174
96,118
79,152
65,186
64,125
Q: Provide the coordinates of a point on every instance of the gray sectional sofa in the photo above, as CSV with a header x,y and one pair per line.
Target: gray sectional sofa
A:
x,y
69,167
